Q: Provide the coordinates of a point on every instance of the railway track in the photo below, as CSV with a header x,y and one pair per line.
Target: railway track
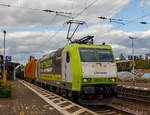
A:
x,y
70,107
108,110
134,93
133,100
131,106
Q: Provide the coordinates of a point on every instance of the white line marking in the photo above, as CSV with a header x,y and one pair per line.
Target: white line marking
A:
x,y
145,88
136,87
78,112
68,106
62,102
128,87
57,99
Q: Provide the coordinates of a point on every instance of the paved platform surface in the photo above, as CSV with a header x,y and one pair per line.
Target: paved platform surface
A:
x,y
136,85
25,102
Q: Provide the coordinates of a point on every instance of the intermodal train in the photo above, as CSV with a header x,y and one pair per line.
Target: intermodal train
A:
x,y
79,71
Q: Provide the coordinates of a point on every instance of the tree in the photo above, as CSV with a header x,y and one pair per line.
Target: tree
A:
x,y
142,64
146,64
139,62
121,57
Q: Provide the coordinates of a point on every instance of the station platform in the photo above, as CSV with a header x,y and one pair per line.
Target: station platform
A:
x,y
25,102
29,99
139,85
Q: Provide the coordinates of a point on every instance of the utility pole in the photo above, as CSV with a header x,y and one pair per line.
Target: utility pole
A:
x,y
4,54
133,63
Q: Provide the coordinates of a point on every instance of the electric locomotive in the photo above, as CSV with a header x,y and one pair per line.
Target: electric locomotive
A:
x,y
81,71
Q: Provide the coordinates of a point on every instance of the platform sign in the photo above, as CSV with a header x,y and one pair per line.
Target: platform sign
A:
x,y
8,58
130,57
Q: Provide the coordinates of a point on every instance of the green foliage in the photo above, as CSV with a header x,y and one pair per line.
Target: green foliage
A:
x,y
121,57
5,91
142,63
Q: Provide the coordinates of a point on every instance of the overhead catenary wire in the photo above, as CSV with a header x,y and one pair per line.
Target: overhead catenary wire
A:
x,y
56,33
63,14
130,21
120,21
85,8
135,20
125,21
58,13
114,20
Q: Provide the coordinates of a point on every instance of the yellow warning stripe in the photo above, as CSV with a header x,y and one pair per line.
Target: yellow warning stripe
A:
x,y
51,77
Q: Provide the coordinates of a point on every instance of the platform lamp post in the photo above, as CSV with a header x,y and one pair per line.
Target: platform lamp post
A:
x,y
133,63
4,54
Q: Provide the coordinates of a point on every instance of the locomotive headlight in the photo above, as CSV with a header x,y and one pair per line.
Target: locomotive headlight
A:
x,y
113,79
85,80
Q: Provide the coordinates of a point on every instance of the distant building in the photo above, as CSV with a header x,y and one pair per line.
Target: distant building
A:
x,y
1,58
123,65
1,66
147,55
10,67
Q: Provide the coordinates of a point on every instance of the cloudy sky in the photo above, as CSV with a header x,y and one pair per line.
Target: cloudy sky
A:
x,y
31,31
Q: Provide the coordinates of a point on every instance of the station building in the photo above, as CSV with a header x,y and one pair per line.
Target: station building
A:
x,y
123,65
147,55
10,67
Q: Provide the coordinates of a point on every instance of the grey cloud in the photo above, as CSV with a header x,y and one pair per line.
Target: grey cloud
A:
x,y
40,43
23,44
19,17
120,39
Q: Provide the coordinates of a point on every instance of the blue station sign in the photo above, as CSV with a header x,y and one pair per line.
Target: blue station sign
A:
x,y
8,58
131,57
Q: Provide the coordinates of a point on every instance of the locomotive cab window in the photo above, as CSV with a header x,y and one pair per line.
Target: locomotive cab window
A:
x,y
96,55
67,57
88,55
104,55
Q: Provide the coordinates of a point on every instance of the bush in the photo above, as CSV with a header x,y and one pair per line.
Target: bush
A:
x,y
5,91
